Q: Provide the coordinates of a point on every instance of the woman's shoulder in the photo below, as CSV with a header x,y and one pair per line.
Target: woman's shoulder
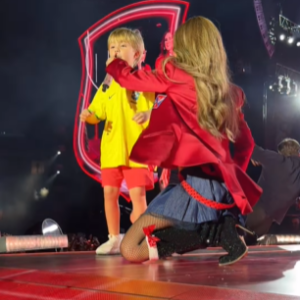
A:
x,y
175,74
170,71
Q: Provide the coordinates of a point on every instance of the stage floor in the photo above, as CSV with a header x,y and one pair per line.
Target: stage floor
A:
x,y
266,273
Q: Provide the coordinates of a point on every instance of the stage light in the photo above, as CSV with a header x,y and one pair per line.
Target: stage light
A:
x,y
273,239
34,242
284,85
298,44
289,239
50,229
58,172
280,85
44,192
58,153
294,88
291,40
282,37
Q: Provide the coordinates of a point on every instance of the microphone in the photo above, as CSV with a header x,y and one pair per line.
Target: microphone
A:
x,y
106,83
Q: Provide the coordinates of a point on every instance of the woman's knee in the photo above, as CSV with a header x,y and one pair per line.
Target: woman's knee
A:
x,y
128,251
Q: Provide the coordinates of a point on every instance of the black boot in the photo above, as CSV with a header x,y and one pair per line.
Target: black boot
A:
x,y
177,240
231,242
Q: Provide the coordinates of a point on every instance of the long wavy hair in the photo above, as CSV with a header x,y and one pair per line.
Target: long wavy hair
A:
x,y
163,50
199,51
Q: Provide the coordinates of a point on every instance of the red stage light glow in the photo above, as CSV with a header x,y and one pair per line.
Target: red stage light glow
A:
x,y
174,11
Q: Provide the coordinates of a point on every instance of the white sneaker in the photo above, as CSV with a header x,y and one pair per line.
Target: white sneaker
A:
x,y
112,246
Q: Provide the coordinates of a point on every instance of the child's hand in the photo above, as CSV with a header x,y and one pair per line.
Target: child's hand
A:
x,y
142,117
84,115
109,60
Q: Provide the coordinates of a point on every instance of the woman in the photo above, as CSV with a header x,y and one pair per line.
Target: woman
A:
x,y
190,129
166,49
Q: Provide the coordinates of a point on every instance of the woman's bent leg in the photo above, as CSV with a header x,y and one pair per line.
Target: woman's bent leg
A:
x,y
134,246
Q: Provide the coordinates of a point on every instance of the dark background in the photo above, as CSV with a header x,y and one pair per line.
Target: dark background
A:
x,y
40,72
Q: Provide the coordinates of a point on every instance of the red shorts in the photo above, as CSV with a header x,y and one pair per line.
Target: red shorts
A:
x,y
134,177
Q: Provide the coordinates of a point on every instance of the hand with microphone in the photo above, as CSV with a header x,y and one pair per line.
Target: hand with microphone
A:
x,y
106,83
107,80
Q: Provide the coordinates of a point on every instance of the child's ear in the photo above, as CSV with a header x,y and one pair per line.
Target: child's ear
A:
x,y
137,55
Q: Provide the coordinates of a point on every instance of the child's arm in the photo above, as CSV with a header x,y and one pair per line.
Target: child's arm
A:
x,y
140,80
89,117
96,111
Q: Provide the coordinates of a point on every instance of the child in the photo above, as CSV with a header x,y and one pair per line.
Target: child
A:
x,y
191,129
118,106
280,181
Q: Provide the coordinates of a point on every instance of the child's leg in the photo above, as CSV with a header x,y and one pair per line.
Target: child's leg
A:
x,y
139,203
111,181
137,180
112,210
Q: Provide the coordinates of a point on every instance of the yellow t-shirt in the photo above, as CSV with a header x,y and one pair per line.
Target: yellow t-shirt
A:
x,y
117,106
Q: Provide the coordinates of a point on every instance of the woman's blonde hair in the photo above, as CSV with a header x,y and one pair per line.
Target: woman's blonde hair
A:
x,y
199,51
131,36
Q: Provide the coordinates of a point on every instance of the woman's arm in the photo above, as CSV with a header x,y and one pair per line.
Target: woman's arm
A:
x,y
140,80
244,145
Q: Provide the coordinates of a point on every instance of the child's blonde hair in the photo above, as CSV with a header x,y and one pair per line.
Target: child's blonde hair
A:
x,y
131,36
200,52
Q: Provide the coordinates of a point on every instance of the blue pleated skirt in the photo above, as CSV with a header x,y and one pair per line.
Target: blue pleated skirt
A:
x,y
176,204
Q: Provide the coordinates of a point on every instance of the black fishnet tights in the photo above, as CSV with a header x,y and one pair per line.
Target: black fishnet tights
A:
x,y
134,246
172,239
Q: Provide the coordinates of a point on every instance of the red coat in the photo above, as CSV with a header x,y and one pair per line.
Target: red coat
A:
x,y
175,139
146,68
158,62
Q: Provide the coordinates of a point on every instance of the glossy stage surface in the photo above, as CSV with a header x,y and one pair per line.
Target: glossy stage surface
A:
x,y
266,273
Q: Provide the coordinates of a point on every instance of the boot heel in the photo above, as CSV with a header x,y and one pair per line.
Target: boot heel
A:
x,y
245,229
